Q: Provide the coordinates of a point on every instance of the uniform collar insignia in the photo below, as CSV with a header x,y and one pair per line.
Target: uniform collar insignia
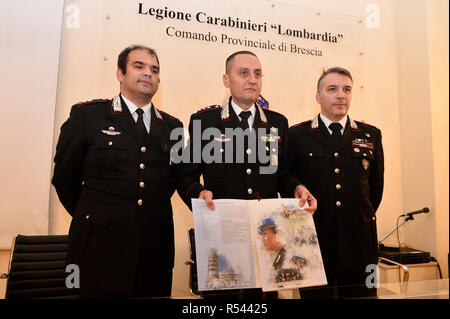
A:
x,y
225,114
261,114
117,107
315,123
353,125
116,104
158,115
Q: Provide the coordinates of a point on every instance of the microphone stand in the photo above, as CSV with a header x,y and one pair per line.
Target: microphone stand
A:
x,y
407,219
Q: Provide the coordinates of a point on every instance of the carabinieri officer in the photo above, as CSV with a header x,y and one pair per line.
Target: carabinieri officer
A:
x,y
114,176
341,161
257,167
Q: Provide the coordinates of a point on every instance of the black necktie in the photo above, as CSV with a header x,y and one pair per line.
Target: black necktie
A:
x,y
336,128
244,119
142,131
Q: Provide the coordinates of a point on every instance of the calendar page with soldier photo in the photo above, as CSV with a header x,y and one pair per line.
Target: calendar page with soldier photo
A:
x,y
270,244
286,245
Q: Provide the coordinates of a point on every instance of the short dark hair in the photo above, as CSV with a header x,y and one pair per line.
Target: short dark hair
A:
x,y
231,57
123,56
338,70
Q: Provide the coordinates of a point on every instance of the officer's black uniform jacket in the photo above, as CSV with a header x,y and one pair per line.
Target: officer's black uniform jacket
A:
x,y
239,180
347,181
117,188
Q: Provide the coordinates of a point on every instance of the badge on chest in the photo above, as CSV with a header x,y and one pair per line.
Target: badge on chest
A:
x,y
365,164
362,143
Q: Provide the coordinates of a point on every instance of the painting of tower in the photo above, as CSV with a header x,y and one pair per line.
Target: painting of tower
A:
x,y
213,268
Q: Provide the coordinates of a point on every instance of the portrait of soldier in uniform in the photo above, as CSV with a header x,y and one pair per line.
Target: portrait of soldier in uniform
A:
x,y
282,269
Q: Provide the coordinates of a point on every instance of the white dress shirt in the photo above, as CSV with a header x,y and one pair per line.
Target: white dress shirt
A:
x,y
147,115
237,109
327,123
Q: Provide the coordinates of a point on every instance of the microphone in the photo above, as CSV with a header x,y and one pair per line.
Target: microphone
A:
x,y
420,211
409,216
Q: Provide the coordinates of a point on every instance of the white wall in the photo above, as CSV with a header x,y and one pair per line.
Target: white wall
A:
x,y
29,53
423,106
437,16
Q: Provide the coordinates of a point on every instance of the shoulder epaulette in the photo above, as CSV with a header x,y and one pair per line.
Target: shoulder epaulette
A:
x,y
92,101
366,124
208,109
302,123
168,115
275,112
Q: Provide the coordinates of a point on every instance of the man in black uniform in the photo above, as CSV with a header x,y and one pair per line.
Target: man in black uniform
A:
x,y
341,161
237,165
114,175
253,167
